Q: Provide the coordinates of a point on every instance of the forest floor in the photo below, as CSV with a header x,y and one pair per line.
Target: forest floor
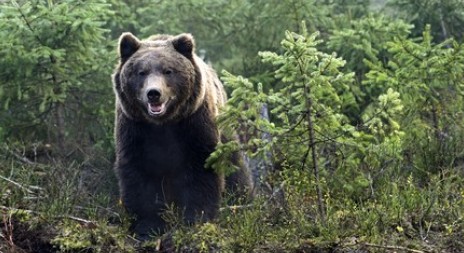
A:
x,y
25,239
73,207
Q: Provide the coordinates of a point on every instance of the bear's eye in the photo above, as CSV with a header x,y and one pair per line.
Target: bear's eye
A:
x,y
142,73
167,72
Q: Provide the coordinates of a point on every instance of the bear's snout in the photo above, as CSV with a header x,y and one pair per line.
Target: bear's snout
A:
x,y
153,95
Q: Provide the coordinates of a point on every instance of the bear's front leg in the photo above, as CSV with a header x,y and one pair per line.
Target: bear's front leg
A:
x,y
201,197
143,199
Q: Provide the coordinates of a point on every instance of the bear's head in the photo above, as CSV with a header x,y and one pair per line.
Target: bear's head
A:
x,y
158,79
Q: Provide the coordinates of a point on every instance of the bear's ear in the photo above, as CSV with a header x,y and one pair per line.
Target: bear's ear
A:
x,y
184,44
128,45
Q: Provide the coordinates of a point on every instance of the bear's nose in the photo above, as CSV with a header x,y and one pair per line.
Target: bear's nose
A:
x,y
153,95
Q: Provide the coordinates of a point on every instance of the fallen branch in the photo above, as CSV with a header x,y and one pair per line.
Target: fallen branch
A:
x,y
16,184
84,222
22,158
5,208
30,188
87,223
389,247
273,196
235,207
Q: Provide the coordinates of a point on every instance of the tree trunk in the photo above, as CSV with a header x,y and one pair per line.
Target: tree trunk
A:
x,y
60,127
262,166
312,147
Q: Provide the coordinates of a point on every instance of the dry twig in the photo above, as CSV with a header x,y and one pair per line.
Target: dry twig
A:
x,y
390,247
87,223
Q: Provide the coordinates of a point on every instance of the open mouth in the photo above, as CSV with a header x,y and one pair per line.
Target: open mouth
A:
x,y
156,109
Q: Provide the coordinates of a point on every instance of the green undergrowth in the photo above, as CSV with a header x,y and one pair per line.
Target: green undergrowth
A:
x,y
400,214
44,212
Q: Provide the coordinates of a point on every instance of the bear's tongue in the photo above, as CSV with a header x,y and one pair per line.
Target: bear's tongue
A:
x,y
155,109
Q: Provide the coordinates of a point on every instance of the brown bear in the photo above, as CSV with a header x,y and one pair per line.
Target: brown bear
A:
x,y
167,99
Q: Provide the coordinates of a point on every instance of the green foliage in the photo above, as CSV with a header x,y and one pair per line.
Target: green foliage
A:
x,y
301,69
361,163
91,237
444,16
53,68
205,238
275,225
367,36
231,33
305,73
218,21
429,79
